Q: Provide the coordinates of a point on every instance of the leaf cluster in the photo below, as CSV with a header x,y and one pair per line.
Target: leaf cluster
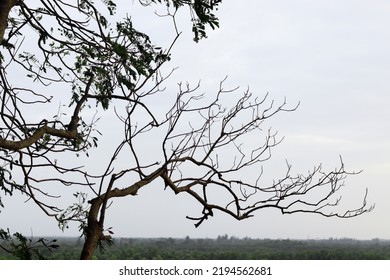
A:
x,y
202,13
26,248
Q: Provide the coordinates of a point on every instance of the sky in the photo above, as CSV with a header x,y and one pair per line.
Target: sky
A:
x,y
333,58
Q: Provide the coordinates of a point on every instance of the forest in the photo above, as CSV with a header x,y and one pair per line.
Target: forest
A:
x,y
221,248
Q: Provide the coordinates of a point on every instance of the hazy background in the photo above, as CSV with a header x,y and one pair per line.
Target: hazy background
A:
x,y
331,56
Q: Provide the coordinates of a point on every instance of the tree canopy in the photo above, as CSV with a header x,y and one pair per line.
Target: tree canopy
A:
x,y
80,55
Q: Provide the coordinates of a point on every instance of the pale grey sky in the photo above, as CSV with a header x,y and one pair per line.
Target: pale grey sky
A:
x,y
331,56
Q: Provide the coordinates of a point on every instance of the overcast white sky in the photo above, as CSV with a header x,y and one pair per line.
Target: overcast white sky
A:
x,y
331,55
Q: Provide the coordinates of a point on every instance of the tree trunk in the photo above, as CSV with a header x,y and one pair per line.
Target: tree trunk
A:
x,y
94,230
93,235
5,8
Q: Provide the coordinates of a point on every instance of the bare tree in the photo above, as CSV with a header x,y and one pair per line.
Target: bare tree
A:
x,y
208,149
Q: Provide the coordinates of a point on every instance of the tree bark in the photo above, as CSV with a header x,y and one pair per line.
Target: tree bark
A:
x,y
18,145
5,8
94,231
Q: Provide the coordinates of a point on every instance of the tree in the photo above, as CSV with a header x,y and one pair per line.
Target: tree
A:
x,y
96,62
26,249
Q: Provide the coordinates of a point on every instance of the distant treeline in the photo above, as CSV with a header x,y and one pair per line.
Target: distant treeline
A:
x,y
225,248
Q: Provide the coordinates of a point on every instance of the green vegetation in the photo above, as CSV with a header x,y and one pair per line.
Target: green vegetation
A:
x,y
225,248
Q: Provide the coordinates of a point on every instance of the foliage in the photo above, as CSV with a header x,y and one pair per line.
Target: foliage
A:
x,y
228,248
201,14
24,248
